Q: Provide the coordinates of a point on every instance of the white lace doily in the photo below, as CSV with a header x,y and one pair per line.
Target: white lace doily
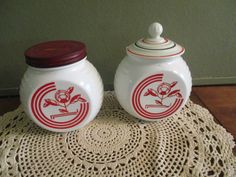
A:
x,y
115,144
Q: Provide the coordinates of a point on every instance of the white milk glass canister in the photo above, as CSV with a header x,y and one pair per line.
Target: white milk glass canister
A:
x,y
153,81
61,90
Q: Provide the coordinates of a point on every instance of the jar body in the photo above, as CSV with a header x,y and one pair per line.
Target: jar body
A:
x,y
62,99
152,89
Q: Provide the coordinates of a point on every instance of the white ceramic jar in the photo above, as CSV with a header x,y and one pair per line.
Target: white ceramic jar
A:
x,y
61,90
153,81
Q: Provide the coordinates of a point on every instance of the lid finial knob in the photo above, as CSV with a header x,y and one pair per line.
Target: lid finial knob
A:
x,y
155,30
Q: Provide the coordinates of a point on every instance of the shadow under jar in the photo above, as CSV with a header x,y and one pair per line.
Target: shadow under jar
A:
x,y
61,90
153,81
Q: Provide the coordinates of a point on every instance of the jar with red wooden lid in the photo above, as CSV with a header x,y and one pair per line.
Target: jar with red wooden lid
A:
x,y
61,90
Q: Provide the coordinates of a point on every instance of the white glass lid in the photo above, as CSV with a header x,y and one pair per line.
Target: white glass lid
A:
x,y
155,47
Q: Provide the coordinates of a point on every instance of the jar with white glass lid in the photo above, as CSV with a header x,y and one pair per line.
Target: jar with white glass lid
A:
x,y
153,81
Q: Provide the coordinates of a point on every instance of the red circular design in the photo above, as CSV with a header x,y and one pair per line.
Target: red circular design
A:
x,y
146,41
37,110
164,56
144,113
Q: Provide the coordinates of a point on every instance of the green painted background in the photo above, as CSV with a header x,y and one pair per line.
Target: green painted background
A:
x,y
206,28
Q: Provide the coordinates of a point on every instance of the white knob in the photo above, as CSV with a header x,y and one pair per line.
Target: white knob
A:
x,y
155,30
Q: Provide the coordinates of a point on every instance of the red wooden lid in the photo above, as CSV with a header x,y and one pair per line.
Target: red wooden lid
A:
x,y
55,53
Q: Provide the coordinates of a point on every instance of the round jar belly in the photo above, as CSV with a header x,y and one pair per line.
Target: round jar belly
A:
x,y
151,87
57,90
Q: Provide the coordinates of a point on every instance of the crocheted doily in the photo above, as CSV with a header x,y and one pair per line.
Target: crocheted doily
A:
x,y
187,144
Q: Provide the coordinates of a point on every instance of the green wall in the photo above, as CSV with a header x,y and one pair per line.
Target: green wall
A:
x,y
206,28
